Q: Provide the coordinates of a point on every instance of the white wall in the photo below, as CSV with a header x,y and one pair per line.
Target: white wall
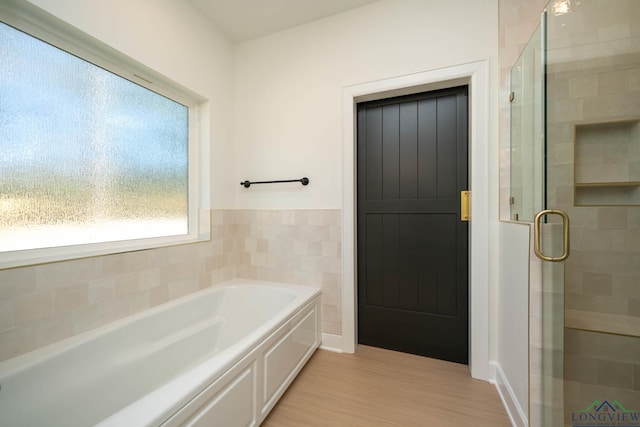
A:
x,y
170,37
289,87
518,21
513,312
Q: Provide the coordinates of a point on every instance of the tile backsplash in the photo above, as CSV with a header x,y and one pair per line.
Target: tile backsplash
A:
x,y
46,303
295,246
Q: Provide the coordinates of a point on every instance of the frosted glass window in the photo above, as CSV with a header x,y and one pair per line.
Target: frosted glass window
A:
x,y
86,156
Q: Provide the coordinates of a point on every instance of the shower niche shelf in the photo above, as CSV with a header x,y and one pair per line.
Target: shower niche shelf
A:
x,y
607,163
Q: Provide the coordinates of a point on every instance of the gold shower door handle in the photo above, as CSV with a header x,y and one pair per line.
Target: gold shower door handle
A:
x,y
565,235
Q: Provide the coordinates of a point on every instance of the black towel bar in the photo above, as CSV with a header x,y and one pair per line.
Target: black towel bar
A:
x,y
303,181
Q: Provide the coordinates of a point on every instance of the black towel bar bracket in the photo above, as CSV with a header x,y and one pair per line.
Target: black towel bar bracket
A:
x,y
303,181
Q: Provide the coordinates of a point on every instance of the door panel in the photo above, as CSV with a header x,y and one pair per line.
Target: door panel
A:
x,y
595,293
427,149
390,152
412,246
408,121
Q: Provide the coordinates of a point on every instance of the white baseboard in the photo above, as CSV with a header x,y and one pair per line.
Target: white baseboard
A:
x,y
514,410
331,342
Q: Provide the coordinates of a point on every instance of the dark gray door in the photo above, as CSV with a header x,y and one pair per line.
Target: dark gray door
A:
x,y
412,245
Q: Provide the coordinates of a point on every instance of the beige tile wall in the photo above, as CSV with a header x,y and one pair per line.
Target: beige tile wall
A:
x,y
601,366
605,256
592,77
295,246
518,20
594,52
46,303
546,332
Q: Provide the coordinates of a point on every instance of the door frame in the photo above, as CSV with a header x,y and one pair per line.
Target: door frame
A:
x,y
476,76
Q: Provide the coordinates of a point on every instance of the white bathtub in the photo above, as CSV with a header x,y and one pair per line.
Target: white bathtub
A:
x,y
220,357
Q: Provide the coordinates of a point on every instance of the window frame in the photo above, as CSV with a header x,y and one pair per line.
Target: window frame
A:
x,y
34,21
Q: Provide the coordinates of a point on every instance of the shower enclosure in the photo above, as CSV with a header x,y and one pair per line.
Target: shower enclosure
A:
x,y
575,144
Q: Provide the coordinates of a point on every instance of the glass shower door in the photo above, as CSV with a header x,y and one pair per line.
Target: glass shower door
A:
x,y
591,301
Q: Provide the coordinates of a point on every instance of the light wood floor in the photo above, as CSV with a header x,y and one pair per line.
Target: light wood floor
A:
x,y
376,387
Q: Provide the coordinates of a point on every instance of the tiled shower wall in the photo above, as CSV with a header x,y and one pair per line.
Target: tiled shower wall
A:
x,y
594,77
600,366
46,303
518,20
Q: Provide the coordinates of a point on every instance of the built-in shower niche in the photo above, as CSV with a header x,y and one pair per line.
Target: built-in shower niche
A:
x,y
607,163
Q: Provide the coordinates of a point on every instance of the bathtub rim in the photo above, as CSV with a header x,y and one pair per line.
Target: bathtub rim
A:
x,y
144,411
24,361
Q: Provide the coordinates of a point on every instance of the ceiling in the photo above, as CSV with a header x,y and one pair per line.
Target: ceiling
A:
x,y
242,20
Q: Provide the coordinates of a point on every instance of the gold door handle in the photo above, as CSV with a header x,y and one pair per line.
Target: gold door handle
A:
x,y
465,208
565,235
